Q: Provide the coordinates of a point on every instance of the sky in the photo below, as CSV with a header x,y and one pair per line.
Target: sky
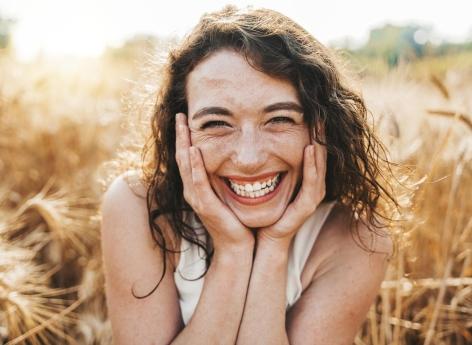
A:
x,y
87,27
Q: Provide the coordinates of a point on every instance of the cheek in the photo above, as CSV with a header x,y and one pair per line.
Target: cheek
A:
x,y
214,152
290,147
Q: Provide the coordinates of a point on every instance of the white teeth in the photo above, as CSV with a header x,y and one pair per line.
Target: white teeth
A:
x,y
256,189
257,186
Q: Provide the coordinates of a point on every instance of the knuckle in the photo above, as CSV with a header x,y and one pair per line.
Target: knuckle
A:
x,y
197,180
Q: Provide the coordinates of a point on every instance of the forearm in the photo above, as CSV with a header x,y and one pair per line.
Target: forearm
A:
x,y
264,314
219,310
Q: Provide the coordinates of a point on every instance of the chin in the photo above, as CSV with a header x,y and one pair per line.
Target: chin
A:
x,y
258,220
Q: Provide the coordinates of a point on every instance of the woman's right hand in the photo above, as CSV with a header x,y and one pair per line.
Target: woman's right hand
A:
x,y
221,223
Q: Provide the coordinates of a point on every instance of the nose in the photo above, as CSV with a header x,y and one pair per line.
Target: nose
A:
x,y
249,153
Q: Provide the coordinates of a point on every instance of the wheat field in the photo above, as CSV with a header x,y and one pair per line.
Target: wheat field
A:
x,y
68,127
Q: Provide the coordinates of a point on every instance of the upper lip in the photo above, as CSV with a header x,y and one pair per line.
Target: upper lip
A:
x,y
262,177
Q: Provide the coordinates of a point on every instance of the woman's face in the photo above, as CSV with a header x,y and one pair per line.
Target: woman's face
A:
x,y
249,128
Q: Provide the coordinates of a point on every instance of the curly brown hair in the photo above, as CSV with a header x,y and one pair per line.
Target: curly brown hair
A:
x,y
357,165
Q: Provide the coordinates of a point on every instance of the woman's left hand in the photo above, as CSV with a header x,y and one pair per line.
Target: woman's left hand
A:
x,y
310,195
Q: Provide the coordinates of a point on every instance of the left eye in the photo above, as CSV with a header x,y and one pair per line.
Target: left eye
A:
x,y
214,124
281,119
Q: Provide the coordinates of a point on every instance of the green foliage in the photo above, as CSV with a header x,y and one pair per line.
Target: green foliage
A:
x,y
391,46
394,43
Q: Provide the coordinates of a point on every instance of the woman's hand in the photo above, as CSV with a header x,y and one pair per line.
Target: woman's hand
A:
x,y
311,193
221,223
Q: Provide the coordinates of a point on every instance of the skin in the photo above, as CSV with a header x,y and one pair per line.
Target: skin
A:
x,y
244,140
243,296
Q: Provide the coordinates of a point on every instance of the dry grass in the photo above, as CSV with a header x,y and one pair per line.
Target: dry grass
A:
x,y
59,125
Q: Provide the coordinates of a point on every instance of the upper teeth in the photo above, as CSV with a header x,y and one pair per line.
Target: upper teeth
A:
x,y
255,189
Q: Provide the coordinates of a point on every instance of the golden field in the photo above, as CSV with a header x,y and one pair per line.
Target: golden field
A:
x,y
68,127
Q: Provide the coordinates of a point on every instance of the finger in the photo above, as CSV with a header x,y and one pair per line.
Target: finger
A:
x,y
182,154
305,203
321,155
201,186
320,150
213,213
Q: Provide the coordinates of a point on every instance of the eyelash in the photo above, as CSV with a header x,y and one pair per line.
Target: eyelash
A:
x,y
216,124
279,119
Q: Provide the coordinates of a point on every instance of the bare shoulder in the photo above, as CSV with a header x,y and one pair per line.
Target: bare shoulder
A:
x,y
341,241
133,266
126,197
344,281
135,182
124,187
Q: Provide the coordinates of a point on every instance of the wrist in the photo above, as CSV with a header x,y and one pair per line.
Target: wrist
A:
x,y
272,255
276,245
236,254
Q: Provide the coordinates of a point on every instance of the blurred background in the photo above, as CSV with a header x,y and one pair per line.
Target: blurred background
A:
x,y
77,80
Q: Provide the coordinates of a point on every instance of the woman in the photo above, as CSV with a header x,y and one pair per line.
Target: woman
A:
x,y
265,197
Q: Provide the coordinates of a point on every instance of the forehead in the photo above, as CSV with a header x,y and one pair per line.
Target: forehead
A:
x,y
226,79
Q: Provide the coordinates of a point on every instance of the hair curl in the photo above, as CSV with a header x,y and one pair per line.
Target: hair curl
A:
x,y
276,45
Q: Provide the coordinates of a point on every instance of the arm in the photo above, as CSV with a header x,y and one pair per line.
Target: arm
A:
x,y
220,308
332,308
335,303
347,279
264,315
265,307
132,260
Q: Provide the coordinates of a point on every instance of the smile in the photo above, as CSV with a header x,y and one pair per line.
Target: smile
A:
x,y
255,189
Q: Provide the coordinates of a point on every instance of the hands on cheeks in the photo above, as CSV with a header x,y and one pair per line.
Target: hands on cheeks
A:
x,y
310,195
222,224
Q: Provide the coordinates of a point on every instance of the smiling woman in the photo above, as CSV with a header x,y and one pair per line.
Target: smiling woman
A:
x,y
261,170
251,132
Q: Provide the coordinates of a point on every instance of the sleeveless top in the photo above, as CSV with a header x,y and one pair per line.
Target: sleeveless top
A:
x,y
192,263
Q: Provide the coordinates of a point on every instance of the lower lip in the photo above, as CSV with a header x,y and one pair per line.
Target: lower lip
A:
x,y
257,200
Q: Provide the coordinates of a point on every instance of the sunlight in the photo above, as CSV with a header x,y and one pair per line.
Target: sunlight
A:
x,y
87,27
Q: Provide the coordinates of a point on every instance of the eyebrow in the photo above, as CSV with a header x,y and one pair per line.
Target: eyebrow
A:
x,y
226,112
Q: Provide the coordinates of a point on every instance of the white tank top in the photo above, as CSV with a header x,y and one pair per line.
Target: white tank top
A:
x,y
192,263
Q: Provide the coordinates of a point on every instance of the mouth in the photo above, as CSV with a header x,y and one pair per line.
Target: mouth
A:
x,y
256,190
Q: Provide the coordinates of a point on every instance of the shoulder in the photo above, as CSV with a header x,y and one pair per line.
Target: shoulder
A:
x,y
124,213
133,265
342,242
135,182
121,199
345,282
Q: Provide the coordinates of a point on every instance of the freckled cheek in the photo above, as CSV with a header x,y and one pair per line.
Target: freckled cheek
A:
x,y
214,153
290,149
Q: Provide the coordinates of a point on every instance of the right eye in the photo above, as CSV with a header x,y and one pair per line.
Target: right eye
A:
x,y
214,124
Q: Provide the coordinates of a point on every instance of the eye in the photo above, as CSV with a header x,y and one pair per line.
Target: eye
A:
x,y
214,124
281,119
